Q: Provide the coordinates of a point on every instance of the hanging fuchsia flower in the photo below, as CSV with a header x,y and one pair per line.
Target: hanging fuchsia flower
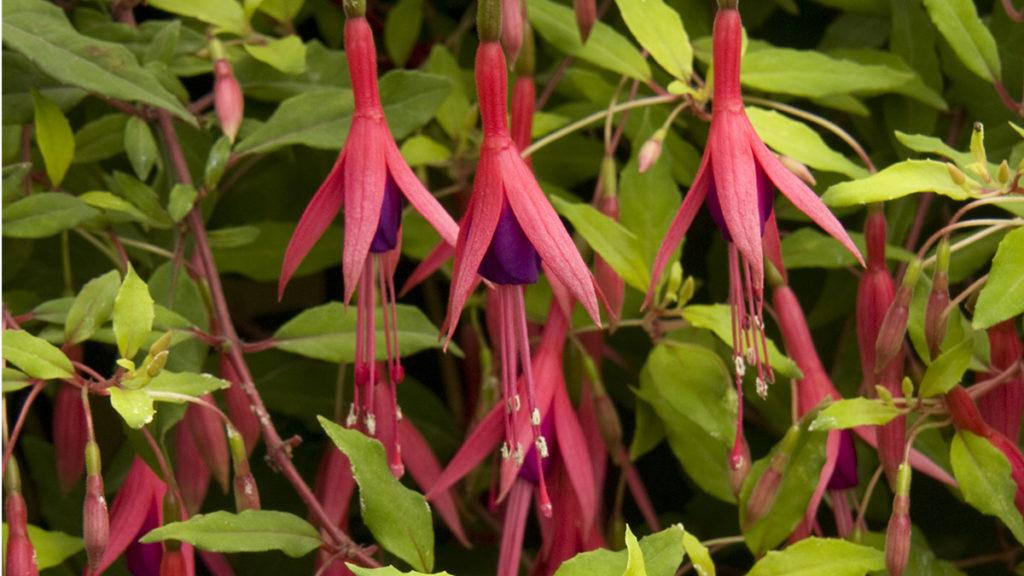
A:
x,y
1003,406
370,177
510,230
735,178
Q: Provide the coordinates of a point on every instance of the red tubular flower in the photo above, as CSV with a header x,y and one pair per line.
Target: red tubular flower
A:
x,y
189,469
227,98
20,554
1002,406
735,177
140,491
69,436
371,178
876,295
95,519
586,16
510,229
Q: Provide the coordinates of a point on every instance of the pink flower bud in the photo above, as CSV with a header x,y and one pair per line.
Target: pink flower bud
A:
x,y
191,472
208,435
21,555
894,324
938,300
227,98
586,15
649,154
611,284
512,28
69,436
1002,407
247,496
239,409
897,535
766,489
96,521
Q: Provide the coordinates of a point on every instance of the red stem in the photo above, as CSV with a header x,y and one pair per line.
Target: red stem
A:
x,y
13,441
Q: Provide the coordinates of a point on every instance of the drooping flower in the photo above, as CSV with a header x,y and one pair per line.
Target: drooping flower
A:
x,y
370,178
20,553
509,231
69,435
1002,407
735,178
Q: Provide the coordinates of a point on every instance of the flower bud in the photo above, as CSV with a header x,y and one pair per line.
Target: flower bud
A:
x,y
96,521
20,554
894,324
938,300
798,168
956,174
526,63
511,28
227,97
1003,176
208,435
354,8
766,489
69,436
875,237
897,535
650,151
247,496
586,15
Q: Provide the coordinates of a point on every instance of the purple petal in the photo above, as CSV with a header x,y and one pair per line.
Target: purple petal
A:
x,y
386,237
510,258
144,559
530,470
845,473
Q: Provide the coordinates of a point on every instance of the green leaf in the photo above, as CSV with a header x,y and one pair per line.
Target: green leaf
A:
x,y
183,196
225,14
52,548
287,54
321,119
617,245
14,380
1003,294
143,197
108,201
699,555
947,370
134,406
188,383
797,140
634,556
605,47
54,136
44,214
896,181
959,24
398,517
810,248
984,476
402,30
658,28
281,10
690,389
217,162
234,237
92,307
133,314
421,150
235,251
803,455
328,332
388,571
813,556
718,319
932,145
35,356
854,412
814,75
140,146
662,553
41,32
248,531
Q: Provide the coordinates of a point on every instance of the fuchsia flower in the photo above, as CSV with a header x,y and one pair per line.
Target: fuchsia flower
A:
x,y
735,178
227,98
370,177
509,231
1002,407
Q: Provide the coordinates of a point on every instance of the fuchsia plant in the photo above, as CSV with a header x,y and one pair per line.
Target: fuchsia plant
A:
x,y
153,164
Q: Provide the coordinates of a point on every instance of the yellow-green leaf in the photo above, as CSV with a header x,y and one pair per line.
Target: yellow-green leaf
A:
x,y
133,314
54,136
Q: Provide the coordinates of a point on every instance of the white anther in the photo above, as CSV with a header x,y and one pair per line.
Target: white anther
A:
x,y
516,403
351,419
750,355
542,447
762,387
517,455
535,417
371,424
504,451
739,365
398,413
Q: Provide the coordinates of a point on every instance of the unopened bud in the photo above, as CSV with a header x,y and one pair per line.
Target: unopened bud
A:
x,y
978,143
20,554
227,98
69,436
511,28
674,283
875,237
609,182
799,169
208,435
162,344
1003,176
650,151
156,365
766,488
894,324
586,15
95,520
938,300
956,174
897,535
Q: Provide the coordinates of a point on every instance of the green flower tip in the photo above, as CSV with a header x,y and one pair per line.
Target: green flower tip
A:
x,y
354,8
488,20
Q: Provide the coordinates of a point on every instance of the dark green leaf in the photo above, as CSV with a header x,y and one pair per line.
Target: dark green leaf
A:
x,y
183,196
44,214
717,318
1003,294
398,517
959,24
402,30
140,146
236,251
249,531
100,139
225,14
35,356
41,32
983,473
